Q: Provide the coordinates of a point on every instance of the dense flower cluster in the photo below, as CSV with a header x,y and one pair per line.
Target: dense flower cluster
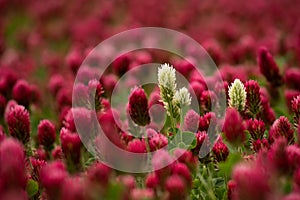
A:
x,y
245,148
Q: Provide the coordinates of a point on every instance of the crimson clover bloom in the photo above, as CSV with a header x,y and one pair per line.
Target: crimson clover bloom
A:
x,y
138,107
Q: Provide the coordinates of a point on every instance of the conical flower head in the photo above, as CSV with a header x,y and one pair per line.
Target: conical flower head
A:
x,y
182,97
281,128
233,127
138,107
253,101
46,134
19,123
167,77
237,95
268,67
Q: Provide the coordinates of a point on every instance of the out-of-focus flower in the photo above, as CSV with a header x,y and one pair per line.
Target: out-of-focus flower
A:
x,y
71,145
182,170
281,128
234,127
53,176
251,182
56,82
253,101
237,95
12,168
121,65
95,90
99,173
292,77
142,194
187,157
268,67
22,93
191,121
152,181
138,107
293,157
46,134
176,187
73,188
19,123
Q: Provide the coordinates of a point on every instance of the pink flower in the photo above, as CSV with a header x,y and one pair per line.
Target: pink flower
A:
x,y
95,90
138,107
296,108
157,141
152,181
253,101
137,146
197,88
256,128
99,173
259,144
141,194
220,151
281,127
206,120
293,157
191,121
22,93
176,187
182,170
46,134
12,168
251,182
292,77
73,188
19,123
268,67
121,65
233,127
56,82
36,164
71,145
57,153
186,157
53,178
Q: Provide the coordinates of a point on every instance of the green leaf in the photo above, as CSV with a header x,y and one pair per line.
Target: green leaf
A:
x,y
227,166
32,188
114,191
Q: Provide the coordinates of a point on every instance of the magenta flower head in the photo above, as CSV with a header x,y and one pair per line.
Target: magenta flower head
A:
x,y
182,170
71,145
187,157
251,182
277,155
95,90
293,157
141,194
157,141
138,107
19,123
176,187
74,188
12,168
22,93
152,181
52,177
191,121
292,77
207,120
256,128
137,146
234,127
56,82
268,67
296,108
99,173
259,144
281,128
253,101
2,104
220,150
46,134
121,65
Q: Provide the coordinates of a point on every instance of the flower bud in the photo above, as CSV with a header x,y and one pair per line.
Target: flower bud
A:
x,y
191,121
138,107
220,151
176,187
71,145
253,101
22,93
256,128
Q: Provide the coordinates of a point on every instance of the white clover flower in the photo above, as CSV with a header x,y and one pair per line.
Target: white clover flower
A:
x,y
237,95
182,97
167,77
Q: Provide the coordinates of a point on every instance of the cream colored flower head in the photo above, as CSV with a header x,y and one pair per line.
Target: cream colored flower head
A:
x,y
237,95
